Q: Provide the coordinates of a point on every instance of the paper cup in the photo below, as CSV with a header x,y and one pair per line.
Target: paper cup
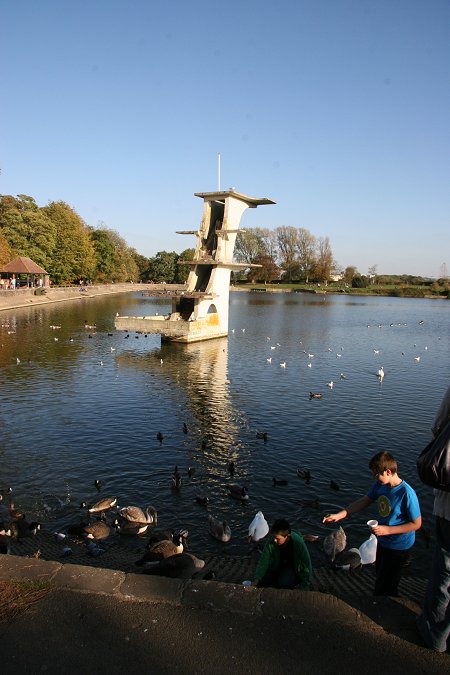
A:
x,y
372,523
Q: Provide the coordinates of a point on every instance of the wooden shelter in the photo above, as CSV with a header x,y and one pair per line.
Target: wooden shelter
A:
x,y
23,271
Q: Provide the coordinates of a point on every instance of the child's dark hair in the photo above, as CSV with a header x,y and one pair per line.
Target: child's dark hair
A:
x,y
383,461
281,525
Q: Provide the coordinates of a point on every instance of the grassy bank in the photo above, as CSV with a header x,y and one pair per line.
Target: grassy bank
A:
x,y
390,290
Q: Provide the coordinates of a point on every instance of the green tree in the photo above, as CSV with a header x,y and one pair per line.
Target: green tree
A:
x,y
249,244
74,255
5,251
105,253
349,273
126,268
163,267
182,271
27,229
142,264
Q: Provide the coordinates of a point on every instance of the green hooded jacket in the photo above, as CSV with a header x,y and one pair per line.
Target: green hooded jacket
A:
x,y
270,558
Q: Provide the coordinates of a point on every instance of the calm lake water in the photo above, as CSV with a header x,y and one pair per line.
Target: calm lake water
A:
x,y
86,404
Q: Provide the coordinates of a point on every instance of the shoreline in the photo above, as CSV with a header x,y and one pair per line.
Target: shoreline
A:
x,y
19,298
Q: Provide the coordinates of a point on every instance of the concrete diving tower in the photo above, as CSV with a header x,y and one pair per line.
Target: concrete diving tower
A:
x,y
200,310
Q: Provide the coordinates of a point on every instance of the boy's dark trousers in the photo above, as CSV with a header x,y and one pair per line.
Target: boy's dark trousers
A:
x,y
389,567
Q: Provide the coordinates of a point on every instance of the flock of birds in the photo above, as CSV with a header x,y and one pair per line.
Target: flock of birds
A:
x,y
310,357
166,551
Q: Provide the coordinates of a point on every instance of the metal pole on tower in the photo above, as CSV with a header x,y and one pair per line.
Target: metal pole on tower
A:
x,y
218,171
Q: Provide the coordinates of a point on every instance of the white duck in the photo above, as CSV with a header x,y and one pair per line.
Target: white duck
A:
x,y
258,528
368,550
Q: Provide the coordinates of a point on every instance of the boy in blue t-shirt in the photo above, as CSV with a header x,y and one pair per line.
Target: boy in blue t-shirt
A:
x,y
398,519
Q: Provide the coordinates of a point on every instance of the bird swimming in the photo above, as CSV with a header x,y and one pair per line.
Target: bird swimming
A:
x,y
279,481
202,501
134,514
103,505
237,492
219,529
314,395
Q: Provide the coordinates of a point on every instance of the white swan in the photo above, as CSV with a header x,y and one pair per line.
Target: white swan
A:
x,y
258,528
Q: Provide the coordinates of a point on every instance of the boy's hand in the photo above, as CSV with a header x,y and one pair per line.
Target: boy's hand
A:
x,y
381,530
334,517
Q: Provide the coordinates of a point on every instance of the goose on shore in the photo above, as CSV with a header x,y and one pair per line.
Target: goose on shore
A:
x,y
347,560
97,530
219,529
178,566
158,549
334,543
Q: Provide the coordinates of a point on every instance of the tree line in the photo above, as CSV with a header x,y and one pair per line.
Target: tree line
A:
x,y
56,238
293,253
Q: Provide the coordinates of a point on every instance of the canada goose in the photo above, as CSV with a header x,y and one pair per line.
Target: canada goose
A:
x,y
237,492
314,395
311,503
231,468
334,485
160,437
124,526
305,474
279,481
158,549
203,501
98,484
263,435
176,479
349,559
258,528
178,566
311,538
134,514
219,530
185,429
15,514
334,543
97,530
103,505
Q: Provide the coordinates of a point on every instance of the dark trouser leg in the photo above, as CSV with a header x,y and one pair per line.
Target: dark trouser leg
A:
x,y
389,566
434,622
281,578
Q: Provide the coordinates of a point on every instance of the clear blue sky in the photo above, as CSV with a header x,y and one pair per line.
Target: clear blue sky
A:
x,y
336,109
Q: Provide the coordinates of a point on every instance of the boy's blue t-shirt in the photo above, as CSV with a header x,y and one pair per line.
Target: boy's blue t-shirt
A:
x,y
396,506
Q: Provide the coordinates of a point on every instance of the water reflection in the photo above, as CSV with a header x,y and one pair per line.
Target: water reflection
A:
x,y
90,404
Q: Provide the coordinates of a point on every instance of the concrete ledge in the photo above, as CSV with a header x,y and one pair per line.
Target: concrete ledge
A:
x,y
218,597
89,579
32,569
310,605
145,588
